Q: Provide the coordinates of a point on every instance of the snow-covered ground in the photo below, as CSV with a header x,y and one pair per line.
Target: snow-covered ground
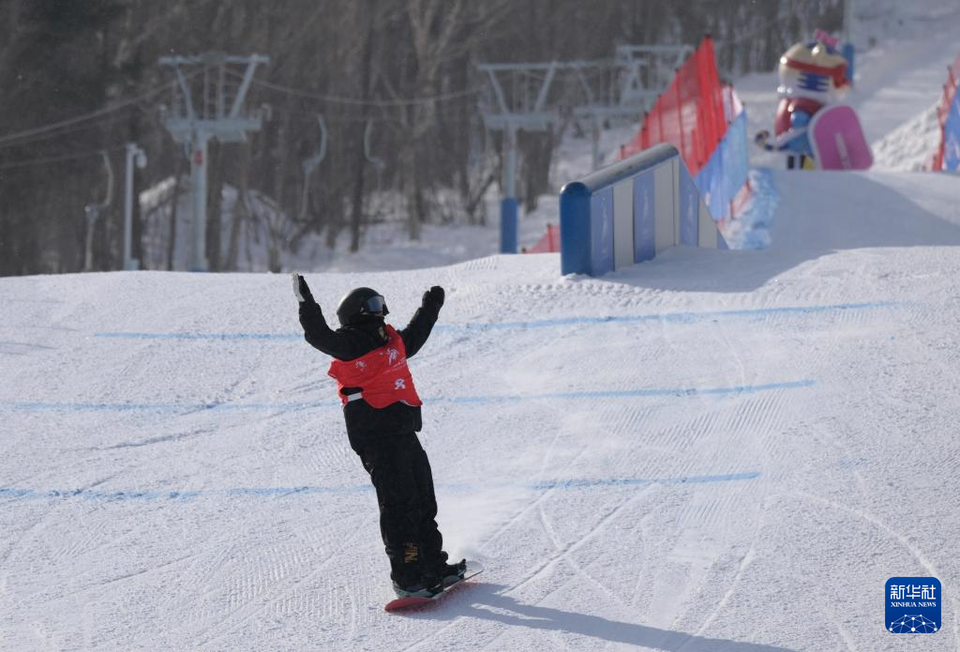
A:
x,y
715,450
710,451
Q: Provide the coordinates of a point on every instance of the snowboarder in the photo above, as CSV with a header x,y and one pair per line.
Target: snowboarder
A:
x,y
382,413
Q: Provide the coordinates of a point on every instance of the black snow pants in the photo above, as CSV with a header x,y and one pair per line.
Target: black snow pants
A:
x,y
400,472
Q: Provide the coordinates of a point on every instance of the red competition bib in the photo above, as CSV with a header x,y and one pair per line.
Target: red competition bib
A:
x,y
382,375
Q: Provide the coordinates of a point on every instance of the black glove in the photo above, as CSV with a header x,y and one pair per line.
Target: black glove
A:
x,y
301,289
310,314
433,297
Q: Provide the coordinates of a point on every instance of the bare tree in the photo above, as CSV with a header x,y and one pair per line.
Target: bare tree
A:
x,y
89,70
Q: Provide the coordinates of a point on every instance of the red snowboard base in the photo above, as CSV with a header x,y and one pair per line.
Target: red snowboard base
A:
x,y
401,604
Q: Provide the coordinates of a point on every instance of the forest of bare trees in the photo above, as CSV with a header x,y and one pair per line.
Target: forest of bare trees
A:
x,y
79,78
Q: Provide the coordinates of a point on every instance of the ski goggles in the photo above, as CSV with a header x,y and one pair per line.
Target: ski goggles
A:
x,y
375,305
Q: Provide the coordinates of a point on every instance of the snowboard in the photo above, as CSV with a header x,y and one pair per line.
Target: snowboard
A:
x,y
400,604
837,139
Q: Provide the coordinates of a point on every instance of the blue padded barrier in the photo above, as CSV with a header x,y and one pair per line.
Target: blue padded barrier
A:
x,y
630,211
951,139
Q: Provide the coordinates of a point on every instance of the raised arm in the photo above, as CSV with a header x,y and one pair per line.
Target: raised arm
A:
x,y
418,330
315,329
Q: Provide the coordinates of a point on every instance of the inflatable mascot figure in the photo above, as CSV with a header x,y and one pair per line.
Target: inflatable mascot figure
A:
x,y
812,75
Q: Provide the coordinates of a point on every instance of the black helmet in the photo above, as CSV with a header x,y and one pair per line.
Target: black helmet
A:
x,y
361,303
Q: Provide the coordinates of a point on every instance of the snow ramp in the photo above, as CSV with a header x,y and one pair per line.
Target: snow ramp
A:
x,y
714,450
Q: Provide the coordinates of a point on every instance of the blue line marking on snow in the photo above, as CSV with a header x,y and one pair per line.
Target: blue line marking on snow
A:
x,y
266,492
670,317
26,406
201,336
631,393
637,482
18,493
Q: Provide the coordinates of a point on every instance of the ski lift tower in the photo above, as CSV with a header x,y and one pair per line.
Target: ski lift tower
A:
x,y
525,108
537,96
208,102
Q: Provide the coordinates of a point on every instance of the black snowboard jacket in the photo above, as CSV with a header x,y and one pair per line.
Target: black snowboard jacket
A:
x,y
366,424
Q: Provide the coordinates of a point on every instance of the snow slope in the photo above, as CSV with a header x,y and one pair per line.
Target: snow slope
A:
x,y
711,451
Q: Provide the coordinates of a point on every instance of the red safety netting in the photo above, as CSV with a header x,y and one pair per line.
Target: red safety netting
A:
x,y
549,243
943,110
692,114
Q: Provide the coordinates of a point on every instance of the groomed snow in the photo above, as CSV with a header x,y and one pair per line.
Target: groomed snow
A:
x,y
716,450
722,450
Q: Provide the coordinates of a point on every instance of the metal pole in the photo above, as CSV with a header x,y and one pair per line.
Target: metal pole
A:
x,y
245,84
847,32
92,214
198,172
133,153
510,163
508,207
128,206
596,142
311,163
849,50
